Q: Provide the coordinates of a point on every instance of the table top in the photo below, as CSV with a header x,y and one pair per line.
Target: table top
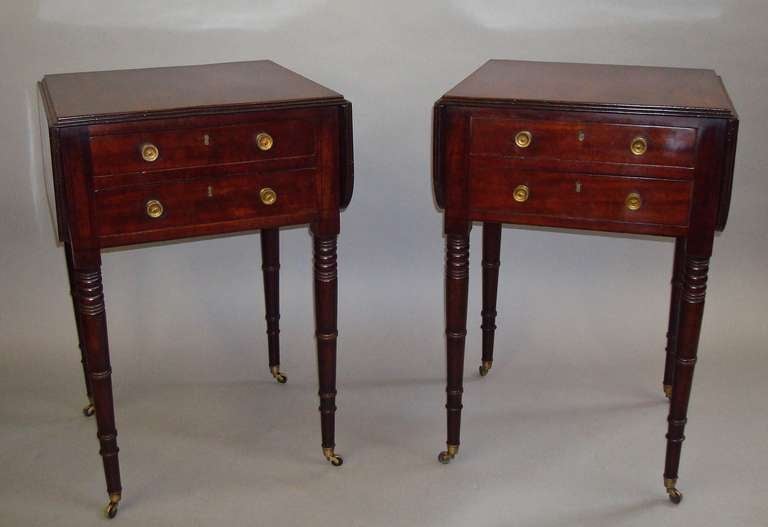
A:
x,y
81,98
643,88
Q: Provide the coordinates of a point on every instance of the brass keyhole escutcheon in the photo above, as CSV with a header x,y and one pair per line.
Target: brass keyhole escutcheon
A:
x,y
268,196
633,201
523,139
639,146
154,208
149,152
521,193
264,141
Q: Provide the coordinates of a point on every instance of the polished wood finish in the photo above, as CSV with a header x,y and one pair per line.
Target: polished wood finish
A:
x,y
572,140
491,263
601,87
270,267
580,196
232,87
623,149
164,154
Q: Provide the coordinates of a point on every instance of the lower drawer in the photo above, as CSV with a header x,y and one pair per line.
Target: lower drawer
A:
x,y
580,196
204,201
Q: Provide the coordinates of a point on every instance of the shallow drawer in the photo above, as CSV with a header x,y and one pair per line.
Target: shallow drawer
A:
x,y
584,141
205,201
581,196
191,147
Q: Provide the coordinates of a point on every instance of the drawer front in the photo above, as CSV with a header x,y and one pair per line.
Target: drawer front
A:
x,y
193,147
205,201
630,144
580,196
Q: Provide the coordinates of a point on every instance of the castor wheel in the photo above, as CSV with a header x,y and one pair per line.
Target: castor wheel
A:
x,y
446,456
278,375
485,367
675,496
111,510
335,459
89,410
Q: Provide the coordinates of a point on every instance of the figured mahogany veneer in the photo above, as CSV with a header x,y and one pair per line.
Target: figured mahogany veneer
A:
x,y
206,145
168,153
583,146
577,196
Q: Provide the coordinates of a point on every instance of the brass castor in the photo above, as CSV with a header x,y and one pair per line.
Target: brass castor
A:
x,y
111,510
668,390
485,367
446,456
334,458
89,410
279,377
675,496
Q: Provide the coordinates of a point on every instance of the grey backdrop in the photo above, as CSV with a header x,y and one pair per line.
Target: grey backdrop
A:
x,y
568,428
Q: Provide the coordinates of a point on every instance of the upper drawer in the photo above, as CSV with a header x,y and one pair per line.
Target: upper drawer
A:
x,y
193,147
630,144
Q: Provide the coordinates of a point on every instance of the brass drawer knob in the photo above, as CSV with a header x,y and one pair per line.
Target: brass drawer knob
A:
x,y
521,193
264,141
639,146
633,201
268,196
149,152
523,139
154,208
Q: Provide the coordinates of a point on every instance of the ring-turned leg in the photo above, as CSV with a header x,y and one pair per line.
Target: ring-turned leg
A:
x,y
691,312
270,267
456,292
326,294
89,301
674,315
491,263
88,410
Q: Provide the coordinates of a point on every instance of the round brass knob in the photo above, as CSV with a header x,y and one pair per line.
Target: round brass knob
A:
x,y
633,201
268,196
521,193
154,208
523,139
639,146
264,141
149,152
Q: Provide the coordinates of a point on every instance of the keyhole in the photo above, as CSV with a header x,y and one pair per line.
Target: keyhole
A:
x,y
210,191
206,140
581,135
578,186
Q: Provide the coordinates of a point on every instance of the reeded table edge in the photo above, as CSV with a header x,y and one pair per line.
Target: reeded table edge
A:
x,y
55,121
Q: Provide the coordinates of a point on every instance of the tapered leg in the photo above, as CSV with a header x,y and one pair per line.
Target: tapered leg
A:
x,y
691,312
88,410
674,315
456,291
491,263
89,301
270,266
326,285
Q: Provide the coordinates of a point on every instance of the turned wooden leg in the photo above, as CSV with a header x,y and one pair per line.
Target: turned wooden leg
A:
x,y
491,263
456,292
691,312
270,266
88,410
326,285
89,301
674,315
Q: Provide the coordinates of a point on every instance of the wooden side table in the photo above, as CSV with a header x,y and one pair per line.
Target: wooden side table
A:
x,y
162,154
634,150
